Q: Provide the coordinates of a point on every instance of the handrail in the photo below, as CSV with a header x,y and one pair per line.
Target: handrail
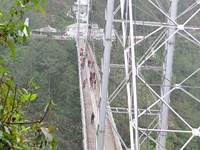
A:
x,y
82,103
114,129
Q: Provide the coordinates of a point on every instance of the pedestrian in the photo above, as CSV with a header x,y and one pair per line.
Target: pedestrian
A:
x,y
83,59
81,53
92,118
89,63
84,83
91,77
81,49
94,83
82,64
92,63
92,70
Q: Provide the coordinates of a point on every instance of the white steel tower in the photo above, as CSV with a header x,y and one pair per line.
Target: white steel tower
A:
x,y
151,77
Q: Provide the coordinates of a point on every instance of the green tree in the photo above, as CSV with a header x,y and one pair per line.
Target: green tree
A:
x,y
16,132
53,66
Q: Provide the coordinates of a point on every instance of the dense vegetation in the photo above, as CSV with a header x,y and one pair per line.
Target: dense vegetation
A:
x,y
52,66
55,15
17,131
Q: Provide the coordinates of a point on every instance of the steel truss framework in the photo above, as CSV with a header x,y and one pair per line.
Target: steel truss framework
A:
x,y
148,31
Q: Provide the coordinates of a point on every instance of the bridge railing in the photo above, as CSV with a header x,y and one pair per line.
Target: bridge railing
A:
x,y
110,115
85,146
114,130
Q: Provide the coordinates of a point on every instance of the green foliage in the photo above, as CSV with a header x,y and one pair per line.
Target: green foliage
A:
x,y
55,16
16,132
12,21
52,65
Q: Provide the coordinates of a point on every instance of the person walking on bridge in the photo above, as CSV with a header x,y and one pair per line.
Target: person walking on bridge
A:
x,y
94,84
92,117
81,49
89,63
92,63
92,76
84,82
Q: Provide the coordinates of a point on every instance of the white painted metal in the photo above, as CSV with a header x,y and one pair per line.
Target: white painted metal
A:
x,y
88,14
85,145
165,32
105,76
167,72
134,99
78,24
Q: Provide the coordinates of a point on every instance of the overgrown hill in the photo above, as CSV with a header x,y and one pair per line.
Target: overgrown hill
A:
x,y
52,65
55,15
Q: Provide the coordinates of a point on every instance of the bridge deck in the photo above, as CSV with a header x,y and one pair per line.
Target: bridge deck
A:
x,y
91,100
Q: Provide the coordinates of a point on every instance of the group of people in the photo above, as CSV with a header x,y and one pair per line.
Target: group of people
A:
x,y
93,81
83,56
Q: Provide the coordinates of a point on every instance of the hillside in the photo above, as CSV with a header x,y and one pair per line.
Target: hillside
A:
x,y
55,15
52,65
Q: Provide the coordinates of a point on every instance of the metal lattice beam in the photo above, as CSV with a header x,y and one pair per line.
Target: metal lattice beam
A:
x,y
160,40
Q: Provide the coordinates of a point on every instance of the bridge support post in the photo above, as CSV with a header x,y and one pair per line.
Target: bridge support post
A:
x,y
167,74
105,76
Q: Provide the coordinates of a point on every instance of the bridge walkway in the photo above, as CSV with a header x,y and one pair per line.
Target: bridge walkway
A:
x,y
91,100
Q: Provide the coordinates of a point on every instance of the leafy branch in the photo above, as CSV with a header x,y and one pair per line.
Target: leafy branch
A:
x,y
12,124
15,130
38,121
11,24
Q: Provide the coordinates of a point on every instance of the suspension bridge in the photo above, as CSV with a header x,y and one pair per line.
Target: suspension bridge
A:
x,y
148,32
